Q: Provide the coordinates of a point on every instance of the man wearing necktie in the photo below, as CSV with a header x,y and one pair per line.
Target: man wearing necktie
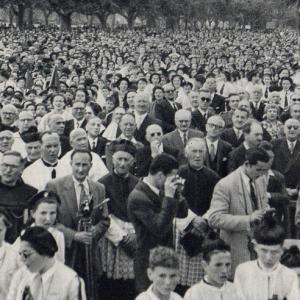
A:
x,y
286,84
239,201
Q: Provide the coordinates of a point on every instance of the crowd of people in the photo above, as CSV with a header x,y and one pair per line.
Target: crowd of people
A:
x,y
149,164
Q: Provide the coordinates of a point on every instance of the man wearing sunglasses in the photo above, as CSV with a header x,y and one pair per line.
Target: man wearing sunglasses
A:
x,y
287,156
293,110
145,155
202,113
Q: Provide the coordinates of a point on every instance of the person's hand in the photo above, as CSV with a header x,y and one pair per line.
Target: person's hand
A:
x,y
84,237
171,184
200,225
129,244
292,192
154,145
257,216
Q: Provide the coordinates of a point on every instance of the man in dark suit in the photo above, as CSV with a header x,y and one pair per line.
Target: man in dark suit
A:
x,y
146,154
233,102
217,149
256,104
253,134
178,138
152,214
78,110
142,117
202,113
287,156
56,123
217,101
166,108
97,143
76,191
234,135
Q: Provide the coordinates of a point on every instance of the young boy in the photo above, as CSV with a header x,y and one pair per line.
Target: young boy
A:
x,y
266,278
217,265
163,271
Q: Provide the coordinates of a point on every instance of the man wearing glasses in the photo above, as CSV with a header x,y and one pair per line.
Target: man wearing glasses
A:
x,y
145,155
166,108
8,116
217,149
287,156
200,115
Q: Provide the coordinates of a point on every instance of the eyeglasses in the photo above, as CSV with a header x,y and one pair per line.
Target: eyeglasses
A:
x,y
170,91
293,127
216,126
8,114
205,99
155,133
296,99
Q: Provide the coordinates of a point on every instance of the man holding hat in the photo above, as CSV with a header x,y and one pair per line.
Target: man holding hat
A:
x,y
120,242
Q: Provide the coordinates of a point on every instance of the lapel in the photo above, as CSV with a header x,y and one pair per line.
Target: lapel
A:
x,y
150,194
234,137
207,160
169,107
243,193
219,154
71,199
144,125
177,139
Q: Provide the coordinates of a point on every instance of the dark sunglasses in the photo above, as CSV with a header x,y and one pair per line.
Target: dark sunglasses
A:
x,y
155,133
296,99
293,126
205,99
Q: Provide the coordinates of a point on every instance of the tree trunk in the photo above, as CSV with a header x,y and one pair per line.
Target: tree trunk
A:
x,y
20,16
130,20
11,17
103,20
66,22
46,16
30,17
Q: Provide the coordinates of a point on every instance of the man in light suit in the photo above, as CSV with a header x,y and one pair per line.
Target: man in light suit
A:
x,y
73,191
178,138
239,201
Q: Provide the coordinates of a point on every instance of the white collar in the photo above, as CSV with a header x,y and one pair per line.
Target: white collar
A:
x,y
143,116
203,113
246,145
123,137
152,187
209,142
49,273
77,183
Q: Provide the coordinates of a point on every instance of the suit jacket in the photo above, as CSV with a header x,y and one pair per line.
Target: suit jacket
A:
x,y
64,284
100,146
152,217
286,163
236,158
140,133
228,135
64,145
64,188
70,125
219,165
227,117
199,121
144,159
259,112
218,103
173,140
165,112
230,212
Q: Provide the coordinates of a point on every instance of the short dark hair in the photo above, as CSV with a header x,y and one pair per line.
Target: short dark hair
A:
x,y
211,247
82,151
163,257
163,163
254,155
269,231
291,257
265,145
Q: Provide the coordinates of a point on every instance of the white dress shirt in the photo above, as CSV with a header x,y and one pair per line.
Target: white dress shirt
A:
x,y
78,188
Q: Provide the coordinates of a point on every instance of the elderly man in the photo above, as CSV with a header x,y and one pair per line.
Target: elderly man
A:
x,y
127,126
202,113
9,115
79,141
74,190
6,141
33,148
14,193
26,120
142,117
46,168
234,135
256,104
56,123
287,157
78,121
166,108
145,155
240,200
198,189
253,134
217,149
178,138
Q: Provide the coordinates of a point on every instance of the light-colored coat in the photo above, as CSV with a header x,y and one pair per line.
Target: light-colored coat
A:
x,y
64,284
230,212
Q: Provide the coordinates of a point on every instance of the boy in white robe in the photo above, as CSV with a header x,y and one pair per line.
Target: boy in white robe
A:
x,y
266,278
163,271
217,266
